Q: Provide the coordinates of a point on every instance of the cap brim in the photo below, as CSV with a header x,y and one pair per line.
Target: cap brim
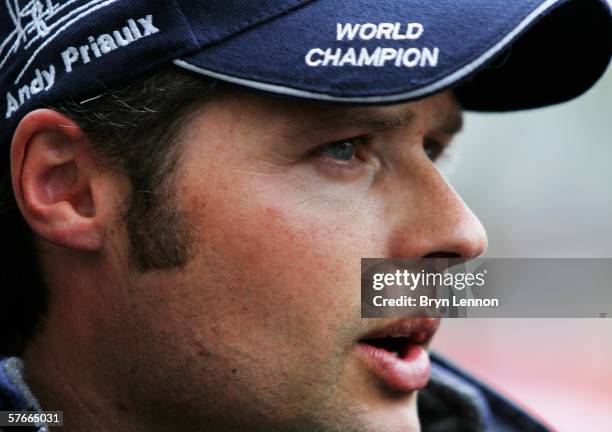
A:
x,y
492,52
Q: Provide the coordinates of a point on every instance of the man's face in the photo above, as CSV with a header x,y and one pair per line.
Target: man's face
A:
x,y
259,330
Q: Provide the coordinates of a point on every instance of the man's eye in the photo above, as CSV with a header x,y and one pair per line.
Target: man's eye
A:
x,y
433,149
344,151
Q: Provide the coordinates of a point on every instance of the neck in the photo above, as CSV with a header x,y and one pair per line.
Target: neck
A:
x,y
65,374
76,363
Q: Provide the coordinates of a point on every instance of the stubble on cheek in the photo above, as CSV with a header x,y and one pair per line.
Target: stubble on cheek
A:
x,y
271,290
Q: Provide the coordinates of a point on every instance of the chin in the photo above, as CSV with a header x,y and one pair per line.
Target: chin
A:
x,y
393,419
377,410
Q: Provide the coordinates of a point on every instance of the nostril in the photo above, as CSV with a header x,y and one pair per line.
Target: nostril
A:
x,y
447,255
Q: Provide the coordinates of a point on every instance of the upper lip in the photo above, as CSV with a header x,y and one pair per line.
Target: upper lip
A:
x,y
420,330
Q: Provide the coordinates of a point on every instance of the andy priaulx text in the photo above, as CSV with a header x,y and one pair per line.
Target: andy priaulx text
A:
x,y
90,50
423,289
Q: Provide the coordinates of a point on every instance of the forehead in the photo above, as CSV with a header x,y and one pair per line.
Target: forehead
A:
x,y
440,111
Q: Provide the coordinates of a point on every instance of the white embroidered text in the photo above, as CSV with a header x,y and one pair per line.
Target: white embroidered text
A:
x,y
378,56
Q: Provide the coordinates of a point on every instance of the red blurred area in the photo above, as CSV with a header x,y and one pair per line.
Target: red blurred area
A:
x,y
559,369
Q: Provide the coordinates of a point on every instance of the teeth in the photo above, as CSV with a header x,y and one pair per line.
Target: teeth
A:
x,y
402,336
418,334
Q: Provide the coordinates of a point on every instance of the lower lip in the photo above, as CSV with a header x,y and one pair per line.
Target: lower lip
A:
x,y
405,374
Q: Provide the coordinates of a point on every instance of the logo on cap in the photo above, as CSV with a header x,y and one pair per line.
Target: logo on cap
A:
x,y
38,23
378,56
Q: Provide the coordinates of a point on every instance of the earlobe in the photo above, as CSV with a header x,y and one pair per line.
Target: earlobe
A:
x,y
53,177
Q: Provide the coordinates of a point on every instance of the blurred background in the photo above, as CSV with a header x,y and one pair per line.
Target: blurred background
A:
x,y
541,183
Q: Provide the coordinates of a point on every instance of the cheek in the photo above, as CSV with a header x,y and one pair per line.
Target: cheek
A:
x,y
288,244
281,289
291,269
285,259
287,240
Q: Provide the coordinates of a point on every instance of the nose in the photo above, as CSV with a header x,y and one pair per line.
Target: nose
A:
x,y
431,220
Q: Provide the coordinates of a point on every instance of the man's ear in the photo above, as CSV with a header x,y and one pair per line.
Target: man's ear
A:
x,y
55,179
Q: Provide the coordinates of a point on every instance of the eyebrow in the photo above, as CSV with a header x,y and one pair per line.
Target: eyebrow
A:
x,y
364,118
369,119
374,121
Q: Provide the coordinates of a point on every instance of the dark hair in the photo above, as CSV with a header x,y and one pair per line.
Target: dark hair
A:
x,y
133,128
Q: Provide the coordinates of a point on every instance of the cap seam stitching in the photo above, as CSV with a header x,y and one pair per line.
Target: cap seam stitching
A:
x,y
254,22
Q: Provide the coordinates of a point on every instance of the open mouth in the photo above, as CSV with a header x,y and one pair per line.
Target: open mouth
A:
x,y
398,346
397,353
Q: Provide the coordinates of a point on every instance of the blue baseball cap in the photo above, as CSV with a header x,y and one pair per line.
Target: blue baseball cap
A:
x,y
498,55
